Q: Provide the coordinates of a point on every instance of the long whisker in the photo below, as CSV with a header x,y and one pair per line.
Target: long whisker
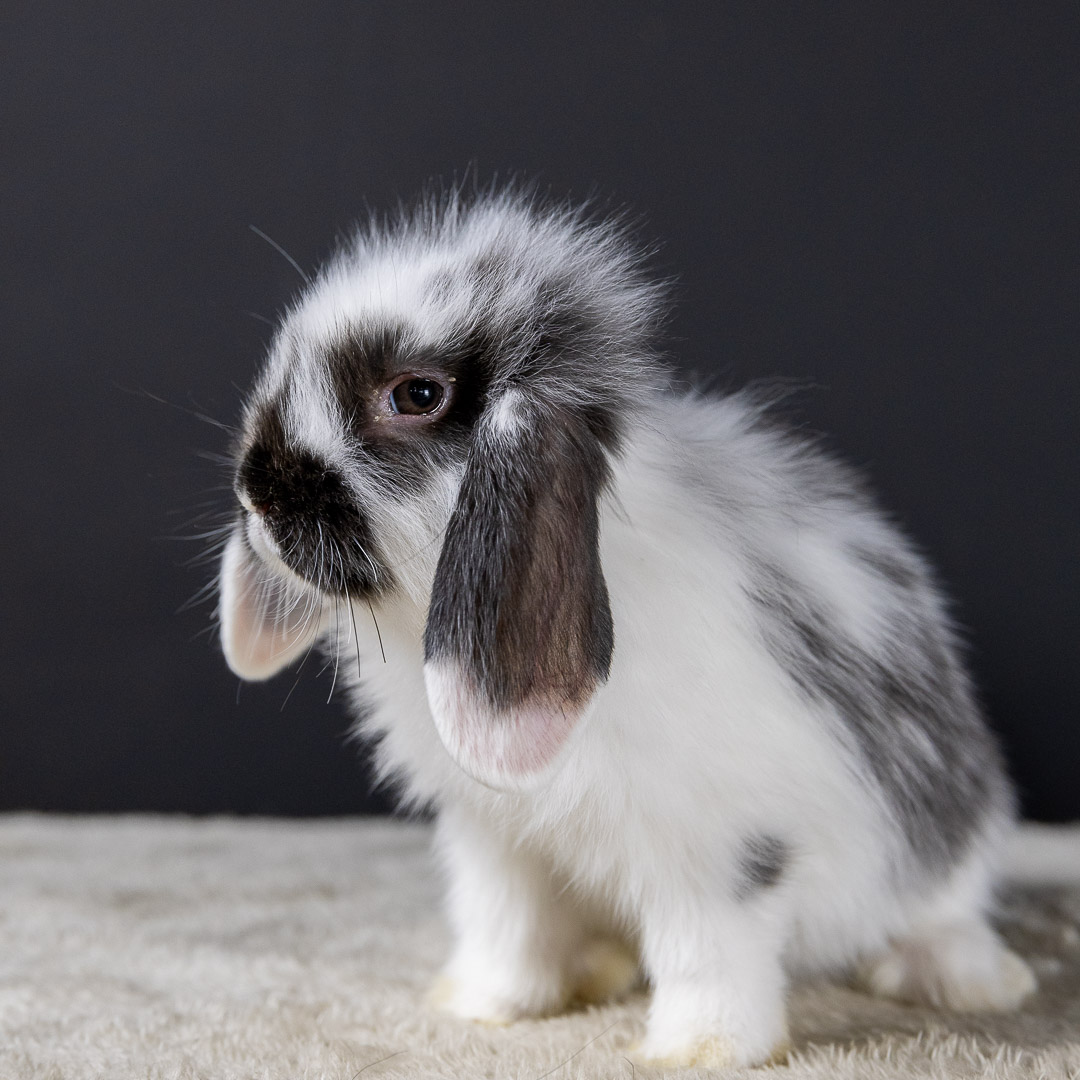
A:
x,y
337,647
197,413
377,630
209,507
300,669
371,563
209,534
281,251
201,595
356,636
209,554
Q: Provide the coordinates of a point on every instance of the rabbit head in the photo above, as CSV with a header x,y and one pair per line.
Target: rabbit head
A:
x,y
435,425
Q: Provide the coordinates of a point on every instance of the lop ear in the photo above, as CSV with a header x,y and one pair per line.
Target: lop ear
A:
x,y
519,633
265,622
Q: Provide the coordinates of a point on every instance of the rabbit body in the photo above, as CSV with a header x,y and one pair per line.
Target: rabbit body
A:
x,y
664,670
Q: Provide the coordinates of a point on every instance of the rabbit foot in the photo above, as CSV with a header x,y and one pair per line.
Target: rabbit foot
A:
x,y
495,1006
449,996
714,1052
730,1020
961,967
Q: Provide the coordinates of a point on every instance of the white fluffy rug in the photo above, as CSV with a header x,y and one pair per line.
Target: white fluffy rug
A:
x,y
217,949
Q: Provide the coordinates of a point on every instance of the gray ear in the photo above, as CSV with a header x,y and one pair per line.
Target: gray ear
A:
x,y
519,633
265,622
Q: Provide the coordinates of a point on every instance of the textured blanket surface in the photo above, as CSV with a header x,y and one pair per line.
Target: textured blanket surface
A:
x,y
169,948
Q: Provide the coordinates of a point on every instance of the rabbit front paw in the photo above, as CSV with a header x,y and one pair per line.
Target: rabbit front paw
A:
x,y
499,996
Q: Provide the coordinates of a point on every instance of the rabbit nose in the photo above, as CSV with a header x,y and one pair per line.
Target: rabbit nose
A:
x,y
286,483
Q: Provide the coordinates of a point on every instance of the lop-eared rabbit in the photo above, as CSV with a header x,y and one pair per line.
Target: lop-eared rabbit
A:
x,y
666,673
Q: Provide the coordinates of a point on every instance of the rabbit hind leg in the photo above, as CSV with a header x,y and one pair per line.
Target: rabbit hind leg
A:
x,y
962,966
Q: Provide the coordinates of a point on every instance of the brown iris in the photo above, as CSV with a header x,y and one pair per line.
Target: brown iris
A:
x,y
416,396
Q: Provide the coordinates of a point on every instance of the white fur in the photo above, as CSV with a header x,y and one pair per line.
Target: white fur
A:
x,y
505,415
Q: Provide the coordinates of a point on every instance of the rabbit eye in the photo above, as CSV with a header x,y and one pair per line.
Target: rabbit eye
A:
x,y
416,396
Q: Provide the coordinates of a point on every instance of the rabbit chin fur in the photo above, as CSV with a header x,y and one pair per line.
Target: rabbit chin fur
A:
x,y
770,764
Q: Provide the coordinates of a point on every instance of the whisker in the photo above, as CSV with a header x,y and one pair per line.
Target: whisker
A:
x,y
216,458
199,597
377,630
208,557
281,251
300,669
356,636
208,506
197,413
326,664
415,554
566,1061
371,563
208,534
337,647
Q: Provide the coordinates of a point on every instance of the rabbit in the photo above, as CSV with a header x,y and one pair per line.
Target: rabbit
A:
x,y
685,702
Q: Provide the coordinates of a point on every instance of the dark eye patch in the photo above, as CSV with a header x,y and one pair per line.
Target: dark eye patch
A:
x,y
378,373
362,363
368,364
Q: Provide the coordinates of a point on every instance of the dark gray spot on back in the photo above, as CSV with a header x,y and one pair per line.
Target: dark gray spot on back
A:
x,y
761,864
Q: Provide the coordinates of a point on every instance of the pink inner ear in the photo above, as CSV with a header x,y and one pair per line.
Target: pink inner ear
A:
x,y
510,750
265,622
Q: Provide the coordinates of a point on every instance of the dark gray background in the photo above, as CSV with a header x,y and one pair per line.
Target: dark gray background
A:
x,y
879,199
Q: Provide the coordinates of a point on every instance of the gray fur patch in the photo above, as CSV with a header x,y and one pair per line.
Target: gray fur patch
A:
x,y
904,704
761,864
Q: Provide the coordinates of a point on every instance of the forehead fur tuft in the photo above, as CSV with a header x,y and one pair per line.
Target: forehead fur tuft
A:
x,y
559,298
